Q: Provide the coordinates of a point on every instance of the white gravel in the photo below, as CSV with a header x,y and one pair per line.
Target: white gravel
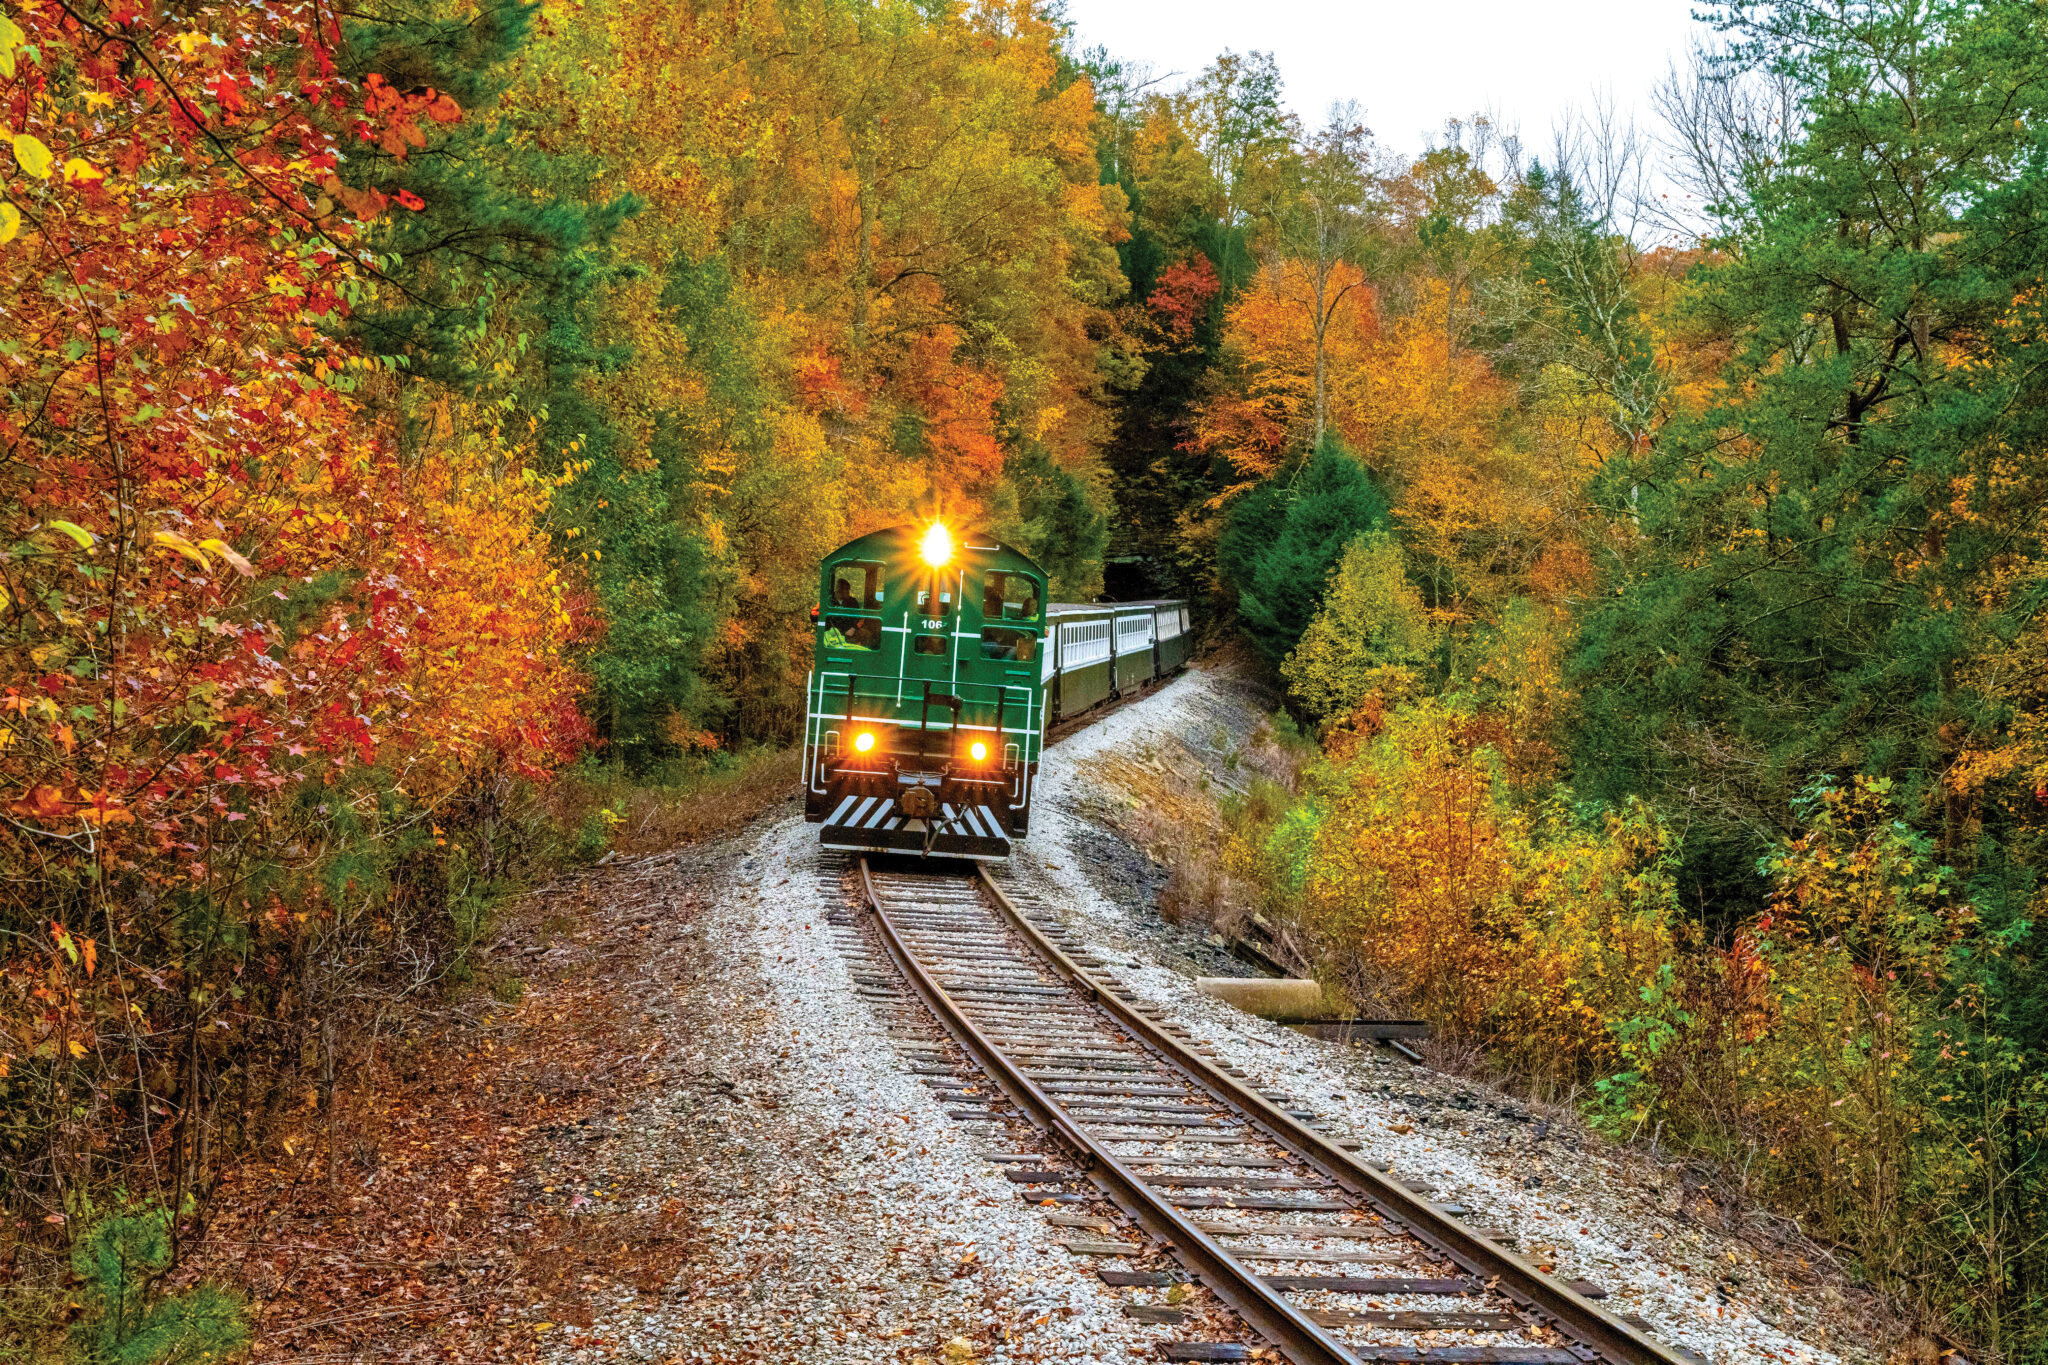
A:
x,y
1596,1214
858,1225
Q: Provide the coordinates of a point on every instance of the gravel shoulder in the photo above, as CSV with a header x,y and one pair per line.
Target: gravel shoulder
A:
x,y
688,1141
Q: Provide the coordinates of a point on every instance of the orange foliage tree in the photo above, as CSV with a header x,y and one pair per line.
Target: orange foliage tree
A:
x,y
1261,412
1487,507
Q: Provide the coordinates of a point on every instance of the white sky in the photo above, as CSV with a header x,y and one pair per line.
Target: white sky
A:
x,y
1411,64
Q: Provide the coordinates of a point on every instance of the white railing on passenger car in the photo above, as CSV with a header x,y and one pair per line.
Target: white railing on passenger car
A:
x,y
1083,643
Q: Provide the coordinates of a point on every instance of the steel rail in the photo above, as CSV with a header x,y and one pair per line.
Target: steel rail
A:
x,y
1566,1310
1264,1309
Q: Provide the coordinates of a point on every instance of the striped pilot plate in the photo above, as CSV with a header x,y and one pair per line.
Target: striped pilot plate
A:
x,y
871,823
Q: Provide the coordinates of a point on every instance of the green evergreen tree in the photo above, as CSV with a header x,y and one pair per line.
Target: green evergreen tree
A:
x,y
494,229
1250,530
661,586
1051,515
1284,540
1806,583
1815,561
504,239
124,1324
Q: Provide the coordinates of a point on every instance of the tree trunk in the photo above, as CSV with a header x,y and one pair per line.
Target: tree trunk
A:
x,y
863,250
1322,364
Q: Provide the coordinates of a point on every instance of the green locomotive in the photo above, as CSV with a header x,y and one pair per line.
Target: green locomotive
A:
x,y
938,667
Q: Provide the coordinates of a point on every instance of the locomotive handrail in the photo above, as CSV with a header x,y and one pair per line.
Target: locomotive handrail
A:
x,y
924,722
998,693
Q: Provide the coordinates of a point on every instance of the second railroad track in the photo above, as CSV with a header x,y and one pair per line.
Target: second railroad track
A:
x,y
1173,1169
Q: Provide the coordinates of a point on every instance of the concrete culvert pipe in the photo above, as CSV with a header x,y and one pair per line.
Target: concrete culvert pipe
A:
x,y
1283,1001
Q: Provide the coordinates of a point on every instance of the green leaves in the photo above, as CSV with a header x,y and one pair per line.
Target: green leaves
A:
x,y
1816,552
124,1323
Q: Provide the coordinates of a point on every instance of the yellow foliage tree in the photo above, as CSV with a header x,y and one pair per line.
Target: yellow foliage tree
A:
x,y
1488,507
1528,932
1371,635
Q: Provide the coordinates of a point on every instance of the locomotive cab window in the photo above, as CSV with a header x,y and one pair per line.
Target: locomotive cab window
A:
x,y
928,644
999,643
1009,597
856,587
853,632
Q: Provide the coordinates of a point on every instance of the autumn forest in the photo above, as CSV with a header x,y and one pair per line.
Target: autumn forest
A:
x,y
423,422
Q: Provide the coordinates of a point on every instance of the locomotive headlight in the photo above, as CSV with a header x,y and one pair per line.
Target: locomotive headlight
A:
x,y
979,750
937,546
864,741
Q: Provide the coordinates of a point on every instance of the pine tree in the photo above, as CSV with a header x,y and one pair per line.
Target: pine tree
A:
x,y
480,223
1060,524
1814,552
1286,540
124,1324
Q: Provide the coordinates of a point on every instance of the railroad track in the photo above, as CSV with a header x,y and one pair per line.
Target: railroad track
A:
x,y
1168,1166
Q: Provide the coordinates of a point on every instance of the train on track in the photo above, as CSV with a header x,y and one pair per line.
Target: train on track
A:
x,y
938,666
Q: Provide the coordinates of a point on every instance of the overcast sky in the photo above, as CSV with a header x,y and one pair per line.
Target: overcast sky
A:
x,y
1413,63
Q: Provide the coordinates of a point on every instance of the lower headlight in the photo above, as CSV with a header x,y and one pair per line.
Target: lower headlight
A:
x,y
864,741
979,750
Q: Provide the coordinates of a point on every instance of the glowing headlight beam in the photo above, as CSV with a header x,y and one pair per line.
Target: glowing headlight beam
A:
x,y
979,750
937,546
864,741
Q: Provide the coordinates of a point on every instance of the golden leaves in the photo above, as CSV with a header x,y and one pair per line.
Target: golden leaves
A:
x,y
227,552
177,544
32,156
11,40
79,535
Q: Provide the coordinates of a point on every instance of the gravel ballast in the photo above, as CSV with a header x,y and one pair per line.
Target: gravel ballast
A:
x,y
840,1216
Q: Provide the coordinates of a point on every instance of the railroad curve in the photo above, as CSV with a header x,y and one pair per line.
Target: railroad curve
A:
x,y
1170,1167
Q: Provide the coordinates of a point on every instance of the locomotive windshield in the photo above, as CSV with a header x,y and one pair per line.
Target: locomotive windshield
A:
x,y
853,632
854,588
997,643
